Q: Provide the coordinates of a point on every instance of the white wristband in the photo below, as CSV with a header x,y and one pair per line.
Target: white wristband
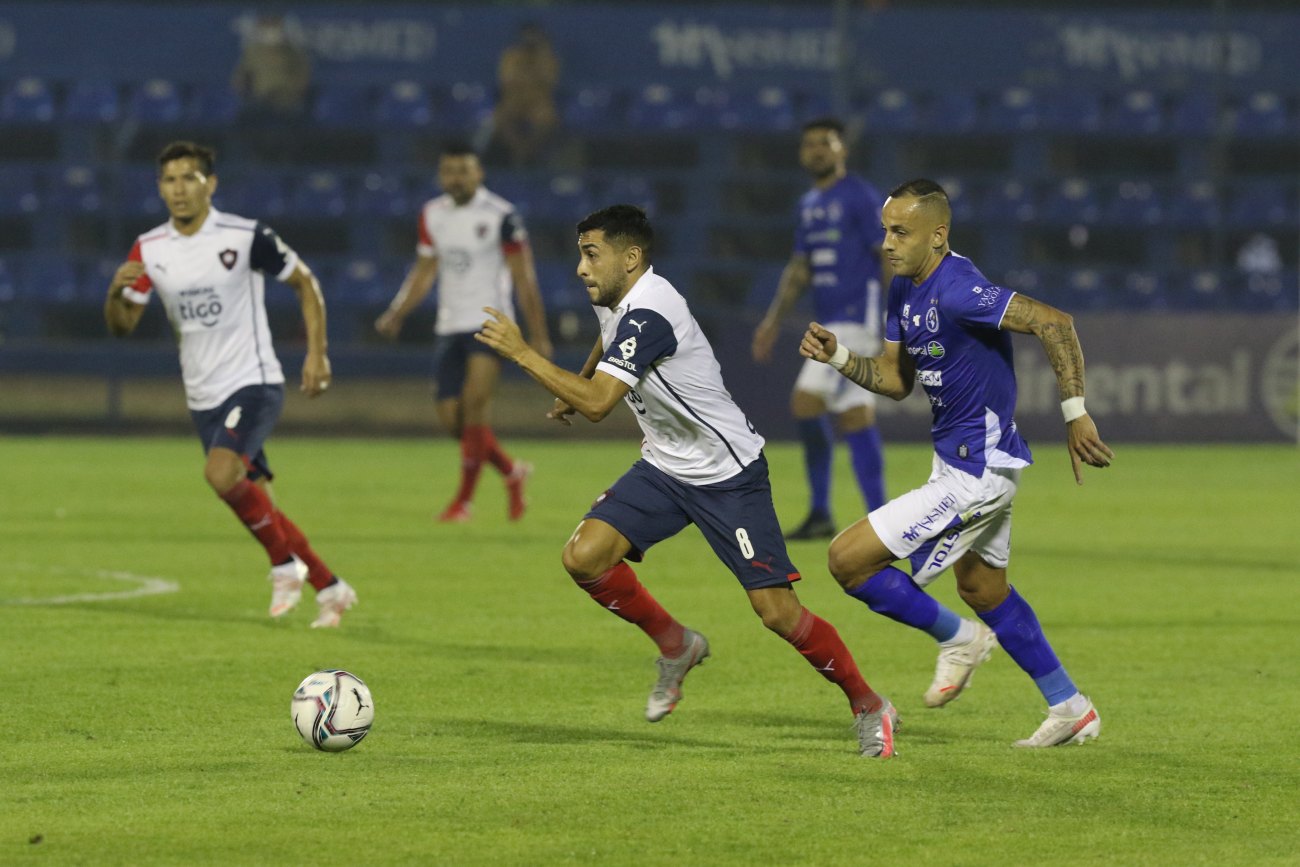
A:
x,y
840,358
1072,408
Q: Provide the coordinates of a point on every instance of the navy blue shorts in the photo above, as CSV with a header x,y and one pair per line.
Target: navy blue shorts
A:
x,y
736,516
454,351
242,423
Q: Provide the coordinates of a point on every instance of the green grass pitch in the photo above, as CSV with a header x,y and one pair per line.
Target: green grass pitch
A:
x,y
155,729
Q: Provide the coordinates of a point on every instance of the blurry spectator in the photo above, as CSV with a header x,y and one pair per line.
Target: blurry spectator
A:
x,y
273,73
525,118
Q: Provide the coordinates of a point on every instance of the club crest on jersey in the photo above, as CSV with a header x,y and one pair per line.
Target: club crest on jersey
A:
x,y
228,258
482,229
932,319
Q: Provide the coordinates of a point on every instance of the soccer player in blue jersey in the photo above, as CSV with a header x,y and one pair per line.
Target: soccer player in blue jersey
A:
x,y
947,328
837,253
702,463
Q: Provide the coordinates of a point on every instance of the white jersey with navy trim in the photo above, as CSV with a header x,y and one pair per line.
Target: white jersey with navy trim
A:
x,y
693,429
470,242
212,286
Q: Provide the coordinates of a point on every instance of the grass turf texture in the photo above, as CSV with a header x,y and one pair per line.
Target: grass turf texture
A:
x,y
509,707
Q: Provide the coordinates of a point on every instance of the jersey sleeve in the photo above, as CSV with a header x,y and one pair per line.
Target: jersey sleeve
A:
x,y
514,237
141,290
426,246
643,338
893,311
800,236
271,255
979,306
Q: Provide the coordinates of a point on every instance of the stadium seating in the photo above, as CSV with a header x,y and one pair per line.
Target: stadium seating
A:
x,y
156,102
657,107
212,105
341,106
1263,114
1136,113
19,191
891,111
27,101
467,106
92,100
1013,110
319,194
406,105
383,194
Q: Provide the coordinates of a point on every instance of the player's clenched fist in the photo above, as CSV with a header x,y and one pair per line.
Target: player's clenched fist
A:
x,y
818,343
126,275
503,335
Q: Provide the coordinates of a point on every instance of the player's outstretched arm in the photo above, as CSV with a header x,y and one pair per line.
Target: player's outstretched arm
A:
x,y
120,313
593,397
524,277
1055,331
415,288
561,410
795,278
316,374
891,373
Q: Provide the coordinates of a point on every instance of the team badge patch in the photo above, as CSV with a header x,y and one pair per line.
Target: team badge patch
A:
x,y
482,230
228,258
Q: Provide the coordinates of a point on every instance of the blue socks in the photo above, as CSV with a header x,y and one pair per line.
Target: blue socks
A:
x,y
818,442
892,592
1022,638
868,465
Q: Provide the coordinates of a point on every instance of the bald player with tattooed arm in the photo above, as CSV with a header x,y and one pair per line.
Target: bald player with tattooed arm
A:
x,y
947,328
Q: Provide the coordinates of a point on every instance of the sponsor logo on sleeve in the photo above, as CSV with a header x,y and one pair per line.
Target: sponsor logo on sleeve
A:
x,y
988,296
628,348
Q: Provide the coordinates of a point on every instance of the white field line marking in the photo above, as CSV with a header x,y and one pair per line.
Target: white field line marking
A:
x,y
147,586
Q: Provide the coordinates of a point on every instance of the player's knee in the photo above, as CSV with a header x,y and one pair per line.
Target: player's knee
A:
x,y
980,586
581,562
844,564
223,475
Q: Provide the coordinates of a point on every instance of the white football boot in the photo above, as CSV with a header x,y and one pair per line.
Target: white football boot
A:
x,y
286,586
957,664
1064,728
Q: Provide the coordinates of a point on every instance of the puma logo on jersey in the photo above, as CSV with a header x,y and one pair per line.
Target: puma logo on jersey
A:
x,y
639,325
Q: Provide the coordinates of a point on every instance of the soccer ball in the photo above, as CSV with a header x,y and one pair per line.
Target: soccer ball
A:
x,y
332,710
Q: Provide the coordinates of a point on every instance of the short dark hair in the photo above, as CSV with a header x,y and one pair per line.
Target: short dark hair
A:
x,y
834,124
929,195
206,157
626,224
458,148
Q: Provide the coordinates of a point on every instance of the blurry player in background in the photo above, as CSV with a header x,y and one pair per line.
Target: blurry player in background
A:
x,y
947,328
837,253
208,268
474,243
702,463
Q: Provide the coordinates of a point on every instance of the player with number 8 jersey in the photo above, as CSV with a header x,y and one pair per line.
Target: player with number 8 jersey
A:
x,y
702,463
208,268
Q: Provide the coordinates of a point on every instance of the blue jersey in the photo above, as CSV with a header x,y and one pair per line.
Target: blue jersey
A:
x,y
950,327
839,231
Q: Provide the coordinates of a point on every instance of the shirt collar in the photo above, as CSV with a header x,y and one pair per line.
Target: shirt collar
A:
x,y
209,225
638,288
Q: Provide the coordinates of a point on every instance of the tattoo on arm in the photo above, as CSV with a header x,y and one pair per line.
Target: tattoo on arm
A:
x,y
864,371
1055,330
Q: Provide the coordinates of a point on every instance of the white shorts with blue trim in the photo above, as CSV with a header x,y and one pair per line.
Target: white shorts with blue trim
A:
x,y
836,390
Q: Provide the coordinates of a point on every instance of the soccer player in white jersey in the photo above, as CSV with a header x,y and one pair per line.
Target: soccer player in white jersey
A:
x,y
837,253
474,243
948,328
702,463
207,268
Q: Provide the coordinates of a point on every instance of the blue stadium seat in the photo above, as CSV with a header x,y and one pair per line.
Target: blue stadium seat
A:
x,y
1013,110
1262,204
1264,293
95,276
952,112
1196,113
1143,289
8,284
593,108
1262,114
561,288
92,101
27,101
1089,288
631,190
659,107
1072,201
1071,111
467,106
19,191
1136,113
213,105
77,189
255,196
156,102
319,194
1012,201
49,279
1201,289
1134,203
383,194
891,110
341,106
711,105
768,109
960,198
137,192
405,105
366,281
1196,205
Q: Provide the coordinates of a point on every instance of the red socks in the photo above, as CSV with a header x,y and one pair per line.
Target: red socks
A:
x,y
279,536
255,509
822,646
619,591
318,574
479,444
